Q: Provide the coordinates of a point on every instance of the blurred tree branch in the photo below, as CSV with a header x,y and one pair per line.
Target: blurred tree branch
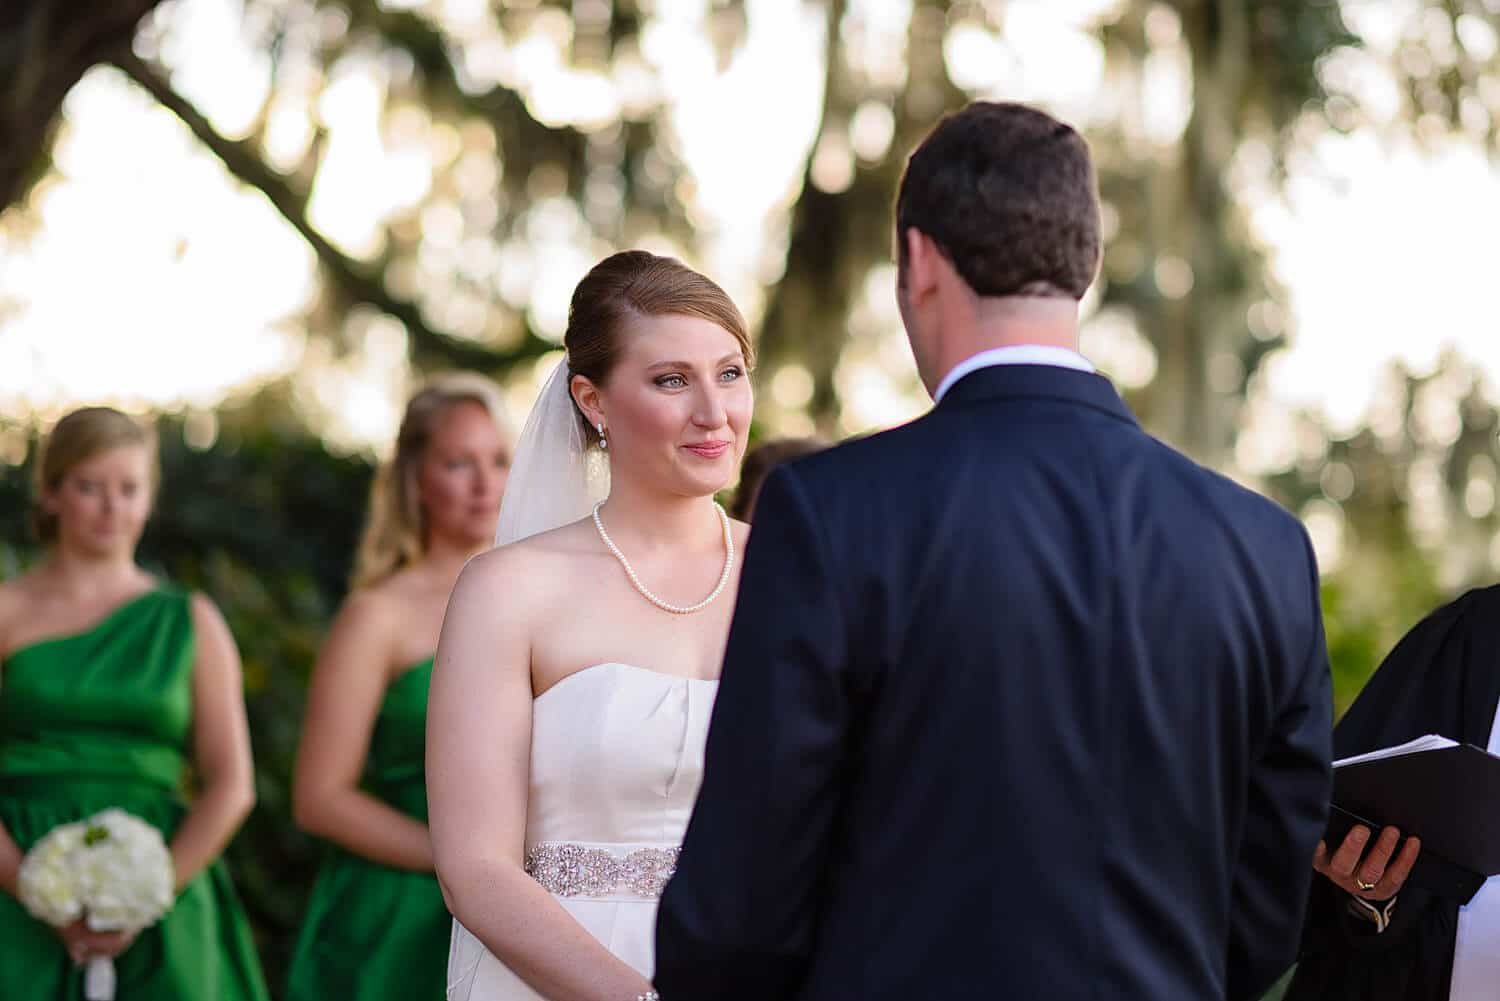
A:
x,y
45,48
504,109
359,282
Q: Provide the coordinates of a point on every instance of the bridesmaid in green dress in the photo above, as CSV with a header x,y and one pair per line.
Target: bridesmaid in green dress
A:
x,y
376,926
113,688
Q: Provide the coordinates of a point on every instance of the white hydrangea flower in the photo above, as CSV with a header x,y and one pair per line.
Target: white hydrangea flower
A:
x,y
113,869
47,882
126,873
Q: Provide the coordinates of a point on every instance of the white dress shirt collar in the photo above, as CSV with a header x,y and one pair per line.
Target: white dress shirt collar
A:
x,y
1017,354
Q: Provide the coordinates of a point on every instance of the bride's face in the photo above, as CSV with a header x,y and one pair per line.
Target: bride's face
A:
x,y
676,407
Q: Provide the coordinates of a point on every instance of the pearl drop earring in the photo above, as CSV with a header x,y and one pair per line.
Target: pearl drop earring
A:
x,y
603,441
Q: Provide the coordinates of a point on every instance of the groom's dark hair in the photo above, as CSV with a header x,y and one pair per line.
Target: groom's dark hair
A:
x,y
1008,194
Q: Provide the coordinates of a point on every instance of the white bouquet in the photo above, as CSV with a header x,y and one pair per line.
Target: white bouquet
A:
x,y
113,870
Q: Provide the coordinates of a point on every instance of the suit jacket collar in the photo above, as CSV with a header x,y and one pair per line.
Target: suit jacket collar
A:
x,y
1037,382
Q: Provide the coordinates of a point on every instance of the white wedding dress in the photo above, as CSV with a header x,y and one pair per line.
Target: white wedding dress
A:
x,y
616,761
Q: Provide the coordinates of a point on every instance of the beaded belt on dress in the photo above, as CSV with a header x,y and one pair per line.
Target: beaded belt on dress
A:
x,y
570,869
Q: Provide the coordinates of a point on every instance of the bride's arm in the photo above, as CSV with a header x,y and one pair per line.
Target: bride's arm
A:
x,y
478,764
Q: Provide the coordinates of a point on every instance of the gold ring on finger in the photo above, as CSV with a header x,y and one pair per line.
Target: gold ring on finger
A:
x,y
1365,887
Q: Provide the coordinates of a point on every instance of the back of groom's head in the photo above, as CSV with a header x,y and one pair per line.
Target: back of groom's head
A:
x,y
1008,194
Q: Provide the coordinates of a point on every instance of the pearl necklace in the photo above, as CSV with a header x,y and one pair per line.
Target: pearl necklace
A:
x,y
646,592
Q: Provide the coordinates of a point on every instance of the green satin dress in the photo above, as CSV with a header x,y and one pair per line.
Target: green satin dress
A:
x,y
98,719
372,932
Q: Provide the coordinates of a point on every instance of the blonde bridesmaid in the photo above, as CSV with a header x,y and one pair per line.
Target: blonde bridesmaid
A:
x,y
377,926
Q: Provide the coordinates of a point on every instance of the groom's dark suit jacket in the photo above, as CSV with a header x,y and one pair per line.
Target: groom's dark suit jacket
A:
x,y
1018,704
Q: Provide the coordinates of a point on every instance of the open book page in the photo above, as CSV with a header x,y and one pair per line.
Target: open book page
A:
x,y
1428,742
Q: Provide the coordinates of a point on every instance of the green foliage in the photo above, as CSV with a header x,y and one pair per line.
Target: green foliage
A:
x,y
1431,464
1288,39
1361,634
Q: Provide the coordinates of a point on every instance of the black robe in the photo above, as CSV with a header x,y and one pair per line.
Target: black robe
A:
x,y
1443,677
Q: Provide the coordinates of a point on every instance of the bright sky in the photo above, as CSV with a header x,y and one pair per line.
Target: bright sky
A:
x,y
1387,252
153,279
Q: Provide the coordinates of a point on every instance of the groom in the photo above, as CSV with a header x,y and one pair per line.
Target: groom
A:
x,y
1019,703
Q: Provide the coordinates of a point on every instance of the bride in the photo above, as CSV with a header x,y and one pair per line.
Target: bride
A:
x,y
578,661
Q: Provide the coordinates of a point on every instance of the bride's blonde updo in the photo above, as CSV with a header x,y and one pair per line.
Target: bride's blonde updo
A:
x,y
636,283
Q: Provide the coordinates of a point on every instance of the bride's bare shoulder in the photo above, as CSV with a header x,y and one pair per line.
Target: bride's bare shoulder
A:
x,y
542,562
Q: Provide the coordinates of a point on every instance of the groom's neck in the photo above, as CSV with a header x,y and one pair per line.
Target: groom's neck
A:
x,y
1009,321
984,323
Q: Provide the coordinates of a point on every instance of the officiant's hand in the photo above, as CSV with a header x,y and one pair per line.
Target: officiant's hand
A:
x,y
1372,875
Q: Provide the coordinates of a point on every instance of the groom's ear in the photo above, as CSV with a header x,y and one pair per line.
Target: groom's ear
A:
x,y
921,265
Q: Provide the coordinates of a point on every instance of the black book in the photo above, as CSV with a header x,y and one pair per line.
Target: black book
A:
x,y
1445,793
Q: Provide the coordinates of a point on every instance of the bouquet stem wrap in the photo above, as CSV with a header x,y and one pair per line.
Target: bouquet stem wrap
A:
x,y
99,979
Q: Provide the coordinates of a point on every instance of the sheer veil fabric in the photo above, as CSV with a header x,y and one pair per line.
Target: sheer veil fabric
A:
x,y
555,480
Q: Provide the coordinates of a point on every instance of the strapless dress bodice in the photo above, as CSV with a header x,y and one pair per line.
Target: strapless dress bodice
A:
x,y
617,756
616,762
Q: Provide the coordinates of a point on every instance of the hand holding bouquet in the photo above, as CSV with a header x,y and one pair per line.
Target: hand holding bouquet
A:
x,y
113,870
